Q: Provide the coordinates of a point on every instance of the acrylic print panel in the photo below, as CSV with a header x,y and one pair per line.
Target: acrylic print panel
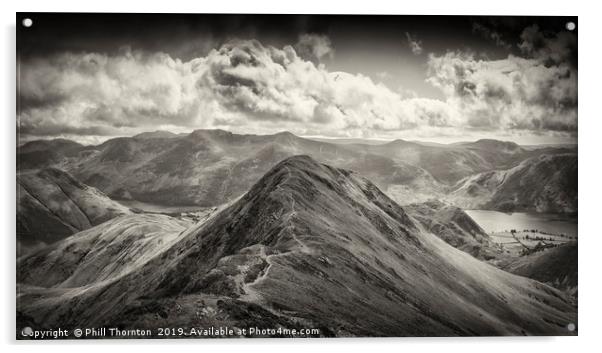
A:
x,y
220,176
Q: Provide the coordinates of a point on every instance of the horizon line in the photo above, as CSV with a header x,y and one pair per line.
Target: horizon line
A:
x,y
320,138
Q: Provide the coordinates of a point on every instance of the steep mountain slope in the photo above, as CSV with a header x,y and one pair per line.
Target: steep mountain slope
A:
x,y
52,205
556,267
455,227
107,251
547,183
307,245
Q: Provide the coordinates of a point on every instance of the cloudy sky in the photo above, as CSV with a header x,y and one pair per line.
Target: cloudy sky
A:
x,y
433,78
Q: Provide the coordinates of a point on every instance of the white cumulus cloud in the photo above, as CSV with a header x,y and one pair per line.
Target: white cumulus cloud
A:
x,y
535,93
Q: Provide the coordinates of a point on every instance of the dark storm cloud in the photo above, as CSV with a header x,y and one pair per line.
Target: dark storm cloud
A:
x,y
50,130
183,36
554,48
31,101
414,44
314,47
187,36
490,34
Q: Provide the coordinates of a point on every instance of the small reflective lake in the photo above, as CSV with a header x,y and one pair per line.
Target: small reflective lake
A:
x,y
493,221
157,208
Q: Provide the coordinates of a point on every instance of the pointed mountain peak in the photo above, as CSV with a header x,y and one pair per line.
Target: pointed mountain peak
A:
x,y
400,142
286,137
304,181
155,135
285,133
302,161
306,170
495,145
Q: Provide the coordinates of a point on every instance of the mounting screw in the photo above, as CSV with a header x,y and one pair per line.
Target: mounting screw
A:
x,y
571,26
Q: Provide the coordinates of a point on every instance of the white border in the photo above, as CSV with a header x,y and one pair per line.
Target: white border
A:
x,y
590,172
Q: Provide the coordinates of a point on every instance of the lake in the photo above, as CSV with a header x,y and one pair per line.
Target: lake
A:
x,y
493,221
151,207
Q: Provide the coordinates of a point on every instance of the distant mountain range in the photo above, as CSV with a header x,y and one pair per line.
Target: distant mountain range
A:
x,y
211,167
307,245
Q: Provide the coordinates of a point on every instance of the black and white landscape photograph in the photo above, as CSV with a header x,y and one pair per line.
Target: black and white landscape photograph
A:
x,y
206,176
